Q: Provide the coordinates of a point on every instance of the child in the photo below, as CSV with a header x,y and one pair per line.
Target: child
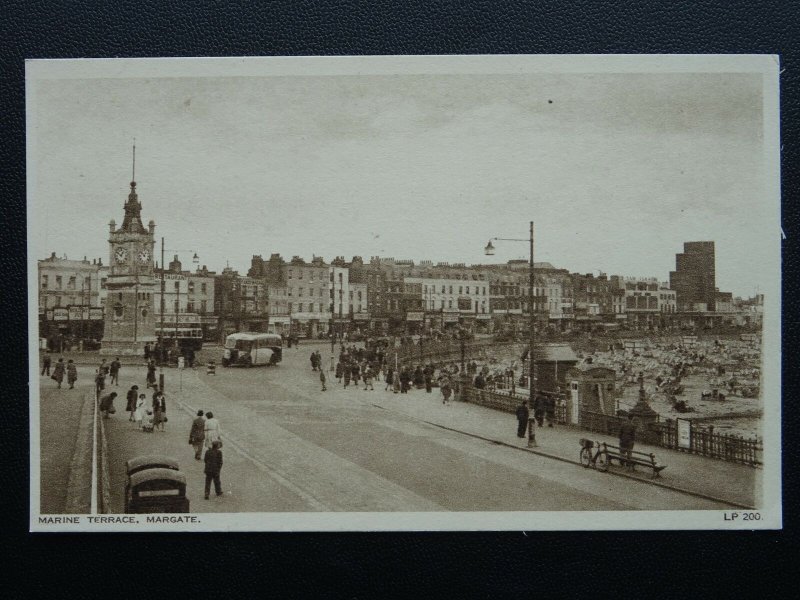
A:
x,y
147,422
138,410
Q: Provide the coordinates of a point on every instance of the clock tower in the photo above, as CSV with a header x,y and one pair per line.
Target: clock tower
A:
x,y
129,311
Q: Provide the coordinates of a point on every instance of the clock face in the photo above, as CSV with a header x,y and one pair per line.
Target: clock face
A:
x,y
144,256
121,255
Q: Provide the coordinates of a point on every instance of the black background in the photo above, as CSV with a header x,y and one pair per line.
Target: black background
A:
x,y
377,565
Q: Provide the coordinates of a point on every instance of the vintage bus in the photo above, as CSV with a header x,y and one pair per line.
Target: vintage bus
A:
x,y
248,349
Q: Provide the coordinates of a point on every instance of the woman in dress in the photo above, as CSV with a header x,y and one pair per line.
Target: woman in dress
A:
x,y
159,410
212,429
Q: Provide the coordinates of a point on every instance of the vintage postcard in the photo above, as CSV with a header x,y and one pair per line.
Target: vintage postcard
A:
x,y
404,293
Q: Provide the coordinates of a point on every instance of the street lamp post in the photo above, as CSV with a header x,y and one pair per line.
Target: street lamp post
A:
x,y
532,330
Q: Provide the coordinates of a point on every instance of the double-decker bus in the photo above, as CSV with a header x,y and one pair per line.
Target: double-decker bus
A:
x,y
249,349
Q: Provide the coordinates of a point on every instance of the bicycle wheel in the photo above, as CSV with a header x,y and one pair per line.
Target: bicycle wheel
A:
x,y
601,462
586,457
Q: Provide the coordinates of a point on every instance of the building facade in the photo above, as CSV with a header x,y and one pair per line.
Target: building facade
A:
x,y
71,296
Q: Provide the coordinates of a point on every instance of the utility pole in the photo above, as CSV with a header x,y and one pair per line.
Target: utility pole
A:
x,y
161,329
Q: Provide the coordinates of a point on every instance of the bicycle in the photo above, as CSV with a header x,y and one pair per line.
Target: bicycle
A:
x,y
598,460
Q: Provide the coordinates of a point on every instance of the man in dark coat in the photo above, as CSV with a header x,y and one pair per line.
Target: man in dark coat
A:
x,y
197,435
627,437
46,361
538,409
213,468
114,371
550,410
522,418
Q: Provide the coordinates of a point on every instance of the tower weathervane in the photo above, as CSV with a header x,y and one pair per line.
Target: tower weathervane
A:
x,y
133,173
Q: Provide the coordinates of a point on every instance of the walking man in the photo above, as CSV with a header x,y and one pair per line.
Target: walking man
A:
x,y
522,418
72,374
58,372
198,435
627,437
322,379
46,361
114,371
213,468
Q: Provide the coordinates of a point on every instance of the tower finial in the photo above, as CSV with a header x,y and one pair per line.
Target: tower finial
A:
x,y
133,173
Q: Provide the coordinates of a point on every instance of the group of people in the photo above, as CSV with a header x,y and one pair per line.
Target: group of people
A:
x,y
205,432
544,408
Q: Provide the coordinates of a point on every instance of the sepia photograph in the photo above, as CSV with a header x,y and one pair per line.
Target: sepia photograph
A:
x,y
404,293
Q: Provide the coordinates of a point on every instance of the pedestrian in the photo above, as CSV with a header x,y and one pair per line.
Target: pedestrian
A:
x,y
322,379
147,352
368,379
212,430
197,435
100,380
522,418
114,371
313,360
396,385
107,404
538,410
190,357
139,409
104,368
627,438
46,360
389,378
339,371
346,376
72,373
447,389
428,374
213,468
356,373
159,410
550,409
151,374
58,372
131,397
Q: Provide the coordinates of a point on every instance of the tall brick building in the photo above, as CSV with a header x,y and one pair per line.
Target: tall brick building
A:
x,y
694,279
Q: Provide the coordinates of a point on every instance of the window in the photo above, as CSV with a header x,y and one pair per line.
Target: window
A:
x,y
300,275
177,287
191,286
290,307
190,306
58,282
449,304
300,307
300,293
177,307
461,290
203,306
203,288
290,273
58,301
451,289
103,282
71,283
359,296
443,289
44,282
467,290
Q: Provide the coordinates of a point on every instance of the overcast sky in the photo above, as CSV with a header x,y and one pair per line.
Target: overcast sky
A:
x,y
617,170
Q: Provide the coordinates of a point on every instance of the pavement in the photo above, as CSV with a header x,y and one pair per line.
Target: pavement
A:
x,y
289,447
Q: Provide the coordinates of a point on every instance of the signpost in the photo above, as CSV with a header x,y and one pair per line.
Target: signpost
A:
x,y
684,434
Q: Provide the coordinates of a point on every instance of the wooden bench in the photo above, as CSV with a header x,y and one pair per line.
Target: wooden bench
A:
x,y
643,459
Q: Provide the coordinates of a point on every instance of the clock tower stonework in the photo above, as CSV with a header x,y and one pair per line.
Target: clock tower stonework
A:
x,y
129,314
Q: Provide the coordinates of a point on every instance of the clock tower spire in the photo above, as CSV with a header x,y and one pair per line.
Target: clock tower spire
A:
x,y
129,315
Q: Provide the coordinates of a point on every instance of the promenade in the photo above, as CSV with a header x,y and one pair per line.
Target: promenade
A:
x,y
289,447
